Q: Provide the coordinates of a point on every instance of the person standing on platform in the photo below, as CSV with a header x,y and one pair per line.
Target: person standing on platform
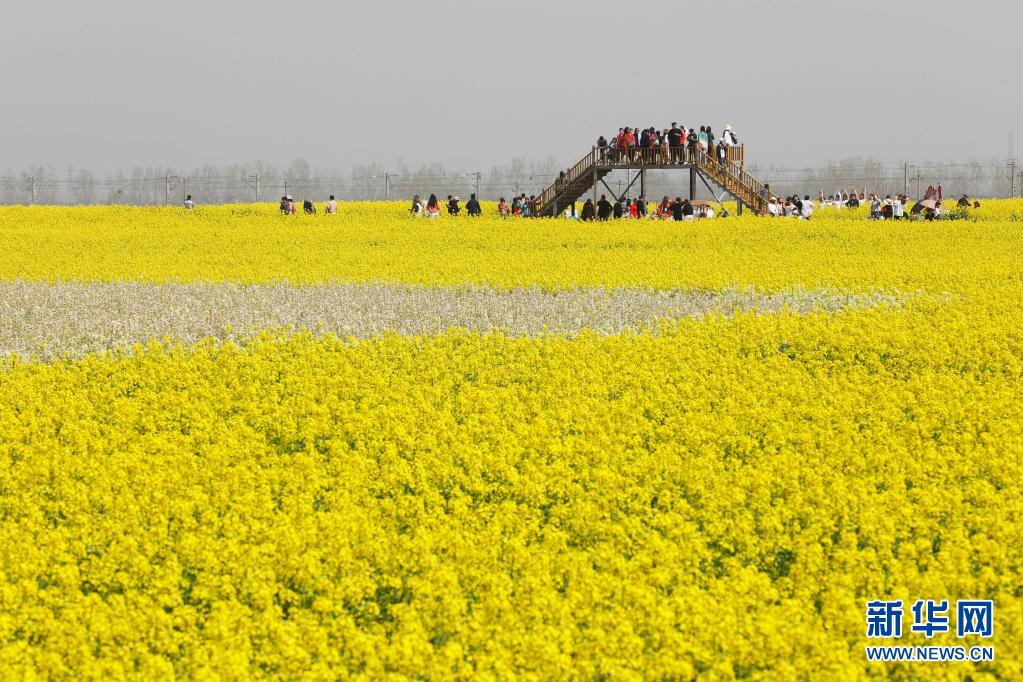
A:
x,y
676,138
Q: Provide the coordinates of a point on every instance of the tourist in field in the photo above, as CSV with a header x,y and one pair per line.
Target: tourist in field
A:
x,y
853,201
331,206
453,207
603,208
772,208
664,208
617,211
472,207
875,207
641,206
433,207
503,209
687,210
308,208
964,201
676,209
589,212
189,204
417,206
527,206
898,208
806,211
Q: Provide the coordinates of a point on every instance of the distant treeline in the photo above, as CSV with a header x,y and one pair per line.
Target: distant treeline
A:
x,y
249,182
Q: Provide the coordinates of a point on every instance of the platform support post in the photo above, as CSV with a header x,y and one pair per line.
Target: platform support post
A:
x,y
594,189
692,183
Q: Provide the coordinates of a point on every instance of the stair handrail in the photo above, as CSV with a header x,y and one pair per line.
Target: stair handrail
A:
x,y
560,184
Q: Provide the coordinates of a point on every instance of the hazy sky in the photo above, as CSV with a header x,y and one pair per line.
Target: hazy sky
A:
x,y
118,83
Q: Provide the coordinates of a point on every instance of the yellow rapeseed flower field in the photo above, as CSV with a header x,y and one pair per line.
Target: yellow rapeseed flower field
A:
x,y
713,497
380,242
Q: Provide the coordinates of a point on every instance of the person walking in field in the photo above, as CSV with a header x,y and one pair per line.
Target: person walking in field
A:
x,y
603,208
331,206
432,207
589,214
503,209
308,208
472,207
189,204
453,207
677,208
417,206
807,209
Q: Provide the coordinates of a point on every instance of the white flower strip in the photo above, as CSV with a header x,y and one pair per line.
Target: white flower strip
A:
x,y
49,320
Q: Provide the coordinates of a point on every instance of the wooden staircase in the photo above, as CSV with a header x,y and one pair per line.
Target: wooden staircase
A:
x,y
734,180
731,176
566,190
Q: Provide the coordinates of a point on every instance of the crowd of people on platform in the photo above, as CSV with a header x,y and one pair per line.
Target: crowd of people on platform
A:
x,y
674,145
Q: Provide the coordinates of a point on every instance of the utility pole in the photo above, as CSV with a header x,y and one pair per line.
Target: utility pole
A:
x,y
285,188
478,177
184,188
387,186
1012,178
257,187
917,183
32,184
905,181
167,189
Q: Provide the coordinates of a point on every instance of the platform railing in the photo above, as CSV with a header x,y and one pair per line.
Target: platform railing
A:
x,y
730,173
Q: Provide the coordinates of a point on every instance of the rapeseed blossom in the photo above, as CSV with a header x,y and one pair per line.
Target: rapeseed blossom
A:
x,y
716,496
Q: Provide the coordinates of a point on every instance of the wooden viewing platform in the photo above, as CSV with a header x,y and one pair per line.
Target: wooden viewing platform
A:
x,y
730,176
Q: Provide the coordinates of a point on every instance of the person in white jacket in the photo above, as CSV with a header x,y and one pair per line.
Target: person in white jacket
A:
x,y
728,136
807,207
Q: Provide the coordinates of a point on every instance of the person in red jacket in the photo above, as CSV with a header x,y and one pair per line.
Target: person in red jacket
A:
x,y
630,144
